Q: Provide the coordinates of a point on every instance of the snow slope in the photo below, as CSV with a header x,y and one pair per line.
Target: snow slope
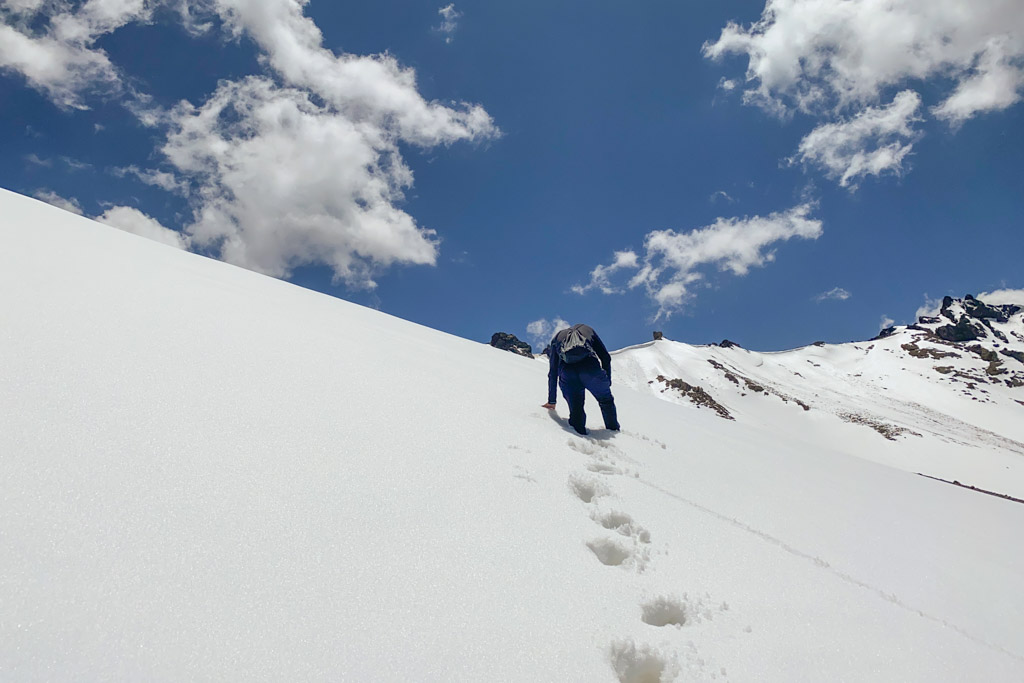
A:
x,y
209,474
909,400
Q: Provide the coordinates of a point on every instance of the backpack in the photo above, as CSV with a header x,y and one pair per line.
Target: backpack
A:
x,y
575,348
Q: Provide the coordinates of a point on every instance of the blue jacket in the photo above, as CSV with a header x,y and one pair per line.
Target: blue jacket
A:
x,y
555,361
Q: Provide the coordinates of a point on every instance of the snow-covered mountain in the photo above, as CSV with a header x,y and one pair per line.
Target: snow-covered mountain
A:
x,y
212,475
943,397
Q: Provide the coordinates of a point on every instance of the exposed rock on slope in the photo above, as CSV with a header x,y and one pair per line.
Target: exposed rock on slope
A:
x,y
509,342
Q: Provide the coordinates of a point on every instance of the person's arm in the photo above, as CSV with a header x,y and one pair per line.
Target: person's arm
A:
x,y
602,355
552,375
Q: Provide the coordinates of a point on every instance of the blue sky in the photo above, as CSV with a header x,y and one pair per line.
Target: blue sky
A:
x,y
775,174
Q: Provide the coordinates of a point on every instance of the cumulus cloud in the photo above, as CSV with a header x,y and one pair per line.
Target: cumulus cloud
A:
x,y
280,181
53,46
449,21
157,178
840,57
871,143
600,277
885,322
122,217
999,297
834,294
310,170
374,91
299,166
671,262
67,203
810,53
930,307
134,221
542,331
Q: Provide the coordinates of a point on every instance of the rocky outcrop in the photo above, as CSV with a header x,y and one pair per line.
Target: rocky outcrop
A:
x,y
980,311
964,330
696,394
509,342
726,344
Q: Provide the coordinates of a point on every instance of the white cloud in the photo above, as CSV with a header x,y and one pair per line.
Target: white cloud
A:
x,y
67,203
835,58
885,322
814,53
449,21
600,276
995,84
671,262
723,195
542,331
871,143
281,182
134,221
372,91
36,160
302,168
309,169
60,59
162,179
999,297
929,308
834,294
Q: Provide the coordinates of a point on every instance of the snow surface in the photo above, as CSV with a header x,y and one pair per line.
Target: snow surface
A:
x,y
958,424
209,474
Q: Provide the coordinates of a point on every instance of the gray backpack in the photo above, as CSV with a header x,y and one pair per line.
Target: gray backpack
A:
x,y
575,348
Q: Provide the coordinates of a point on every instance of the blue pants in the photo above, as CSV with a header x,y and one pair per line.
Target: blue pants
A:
x,y
587,375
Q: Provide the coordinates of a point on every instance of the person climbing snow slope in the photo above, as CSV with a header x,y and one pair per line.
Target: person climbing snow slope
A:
x,y
579,362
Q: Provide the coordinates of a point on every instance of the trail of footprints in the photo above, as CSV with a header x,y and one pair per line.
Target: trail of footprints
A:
x,y
627,544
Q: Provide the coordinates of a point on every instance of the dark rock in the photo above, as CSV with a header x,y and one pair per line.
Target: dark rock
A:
x,y
928,320
917,352
726,344
964,330
887,332
1019,356
509,342
995,368
697,395
658,335
818,343
985,354
947,301
981,311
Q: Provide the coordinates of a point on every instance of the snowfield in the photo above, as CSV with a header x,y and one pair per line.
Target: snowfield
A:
x,y
212,475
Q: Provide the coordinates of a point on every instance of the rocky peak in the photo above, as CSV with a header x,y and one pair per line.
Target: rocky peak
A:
x,y
509,342
970,319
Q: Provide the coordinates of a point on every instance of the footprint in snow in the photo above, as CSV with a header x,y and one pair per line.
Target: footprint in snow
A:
x,y
620,552
623,523
673,610
587,489
604,468
634,663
